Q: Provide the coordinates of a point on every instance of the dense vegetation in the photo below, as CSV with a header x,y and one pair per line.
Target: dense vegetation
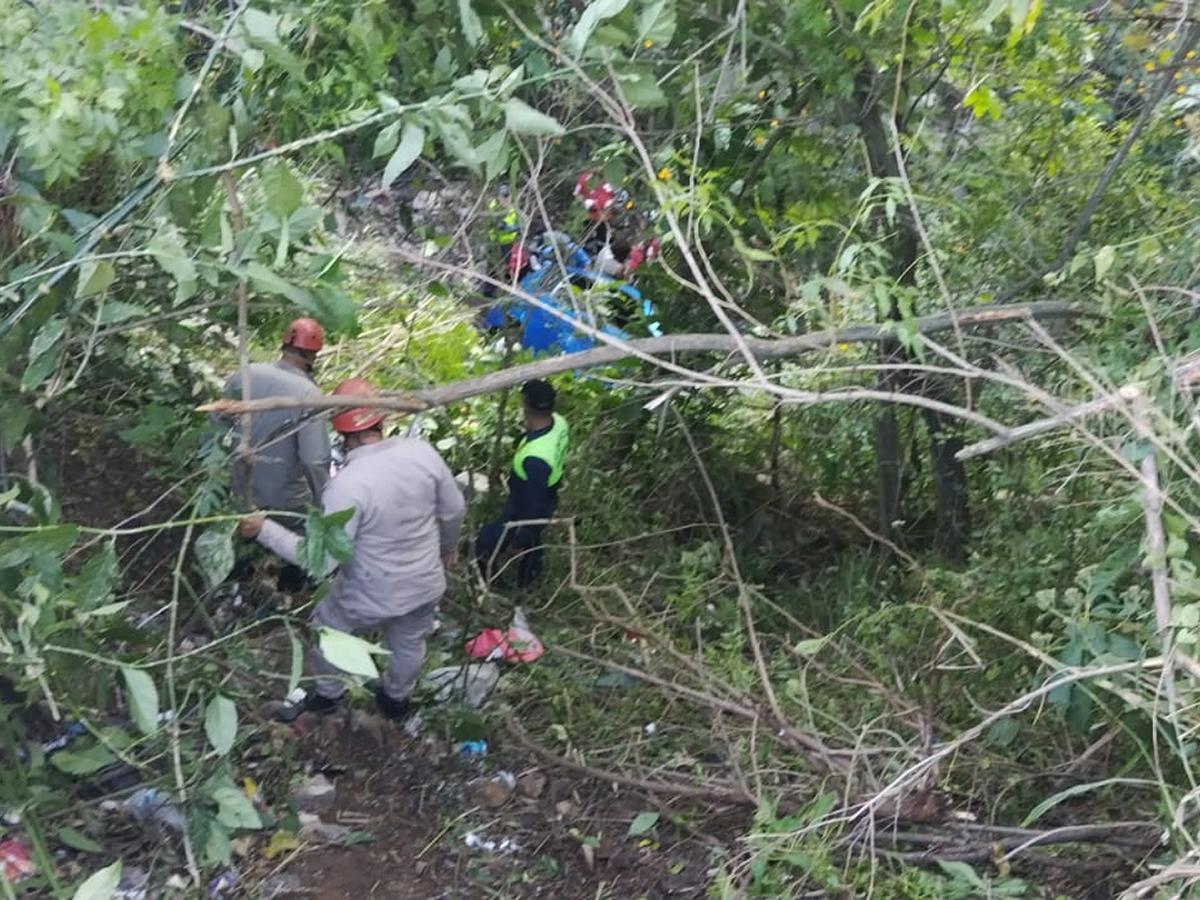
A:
x,y
871,641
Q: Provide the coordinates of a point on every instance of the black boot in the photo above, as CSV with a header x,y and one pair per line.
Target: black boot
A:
x,y
389,706
312,703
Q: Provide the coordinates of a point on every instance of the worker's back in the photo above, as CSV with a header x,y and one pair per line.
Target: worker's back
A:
x,y
291,460
408,511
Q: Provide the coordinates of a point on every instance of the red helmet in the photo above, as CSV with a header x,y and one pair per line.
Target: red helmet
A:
x,y
305,334
360,418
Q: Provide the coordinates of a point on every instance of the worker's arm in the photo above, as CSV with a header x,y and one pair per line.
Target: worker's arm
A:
x,y
286,543
314,453
450,506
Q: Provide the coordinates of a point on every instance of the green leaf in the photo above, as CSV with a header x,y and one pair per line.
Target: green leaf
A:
x,y
53,542
115,311
811,646
234,808
349,653
1074,791
597,12
100,885
14,420
95,278
385,141
83,762
521,118
960,871
97,578
266,280
411,142
217,850
44,352
220,724
1104,260
324,537
142,698
472,28
983,102
214,554
283,190
168,249
642,823
640,89
492,153
656,23
1004,732
77,840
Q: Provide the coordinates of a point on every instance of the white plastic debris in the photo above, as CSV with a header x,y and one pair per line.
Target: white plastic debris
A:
x,y
475,842
474,680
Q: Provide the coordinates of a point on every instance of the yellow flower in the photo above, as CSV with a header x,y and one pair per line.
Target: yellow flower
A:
x,y
762,95
759,140
774,123
1191,54
844,347
1149,67
1171,36
512,44
665,174
1181,89
629,204
1178,76
647,43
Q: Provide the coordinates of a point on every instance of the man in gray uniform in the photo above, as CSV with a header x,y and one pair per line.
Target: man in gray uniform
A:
x,y
290,463
408,510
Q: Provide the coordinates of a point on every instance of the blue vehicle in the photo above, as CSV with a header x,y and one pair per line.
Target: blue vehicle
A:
x,y
553,284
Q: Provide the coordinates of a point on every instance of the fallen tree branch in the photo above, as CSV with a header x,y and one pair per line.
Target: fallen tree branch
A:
x,y
948,848
670,788
671,345
1051,423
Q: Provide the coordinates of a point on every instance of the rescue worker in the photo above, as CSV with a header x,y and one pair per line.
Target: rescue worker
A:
x,y
408,510
291,454
537,471
503,230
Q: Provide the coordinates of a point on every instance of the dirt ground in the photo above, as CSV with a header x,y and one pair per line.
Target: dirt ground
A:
x,y
413,801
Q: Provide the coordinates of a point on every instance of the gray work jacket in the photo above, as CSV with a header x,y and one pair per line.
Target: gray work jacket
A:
x,y
408,510
291,457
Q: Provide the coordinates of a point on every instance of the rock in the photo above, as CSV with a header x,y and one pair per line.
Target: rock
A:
x,y
313,829
495,792
315,794
566,809
531,785
280,886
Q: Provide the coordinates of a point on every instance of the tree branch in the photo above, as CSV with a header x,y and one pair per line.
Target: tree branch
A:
x,y
777,348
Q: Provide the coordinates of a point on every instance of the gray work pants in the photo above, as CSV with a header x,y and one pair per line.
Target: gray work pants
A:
x,y
403,635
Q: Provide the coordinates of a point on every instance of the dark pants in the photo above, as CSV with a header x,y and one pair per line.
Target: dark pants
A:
x,y
494,544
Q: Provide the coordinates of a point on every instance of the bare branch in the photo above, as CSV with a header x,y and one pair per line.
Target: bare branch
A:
x,y
669,346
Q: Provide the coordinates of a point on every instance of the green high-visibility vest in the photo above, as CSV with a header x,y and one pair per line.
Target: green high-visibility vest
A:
x,y
506,232
550,448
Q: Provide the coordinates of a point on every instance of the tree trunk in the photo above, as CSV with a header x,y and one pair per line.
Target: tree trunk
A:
x,y
949,474
952,527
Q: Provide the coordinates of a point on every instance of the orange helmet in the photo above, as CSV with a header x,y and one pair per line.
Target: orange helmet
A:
x,y
305,334
361,418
